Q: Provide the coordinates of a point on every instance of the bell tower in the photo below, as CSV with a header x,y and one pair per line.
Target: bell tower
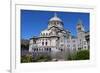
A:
x,y
80,34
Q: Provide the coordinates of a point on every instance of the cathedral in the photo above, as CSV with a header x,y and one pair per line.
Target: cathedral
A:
x,y
55,38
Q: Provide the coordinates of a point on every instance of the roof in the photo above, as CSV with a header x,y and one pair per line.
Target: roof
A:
x,y
49,36
45,31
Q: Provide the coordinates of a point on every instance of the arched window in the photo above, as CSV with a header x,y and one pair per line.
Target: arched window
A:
x,y
49,49
46,34
43,34
53,22
42,43
35,49
57,22
46,43
51,33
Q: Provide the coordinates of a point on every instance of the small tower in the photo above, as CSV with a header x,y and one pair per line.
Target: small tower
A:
x,y
80,34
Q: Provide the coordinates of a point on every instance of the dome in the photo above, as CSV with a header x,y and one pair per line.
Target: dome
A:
x,y
55,18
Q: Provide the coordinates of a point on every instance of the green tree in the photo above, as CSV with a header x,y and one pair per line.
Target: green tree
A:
x,y
26,59
80,55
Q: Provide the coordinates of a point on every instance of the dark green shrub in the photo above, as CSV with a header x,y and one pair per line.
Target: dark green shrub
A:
x,y
80,55
42,58
25,59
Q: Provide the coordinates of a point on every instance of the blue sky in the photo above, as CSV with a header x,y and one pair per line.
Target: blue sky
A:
x,y
33,22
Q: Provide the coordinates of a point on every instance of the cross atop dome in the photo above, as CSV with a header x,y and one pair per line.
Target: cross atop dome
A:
x,y
55,18
79,21
55,14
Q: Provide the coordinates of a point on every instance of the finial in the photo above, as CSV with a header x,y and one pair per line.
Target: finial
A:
x,y
55,14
